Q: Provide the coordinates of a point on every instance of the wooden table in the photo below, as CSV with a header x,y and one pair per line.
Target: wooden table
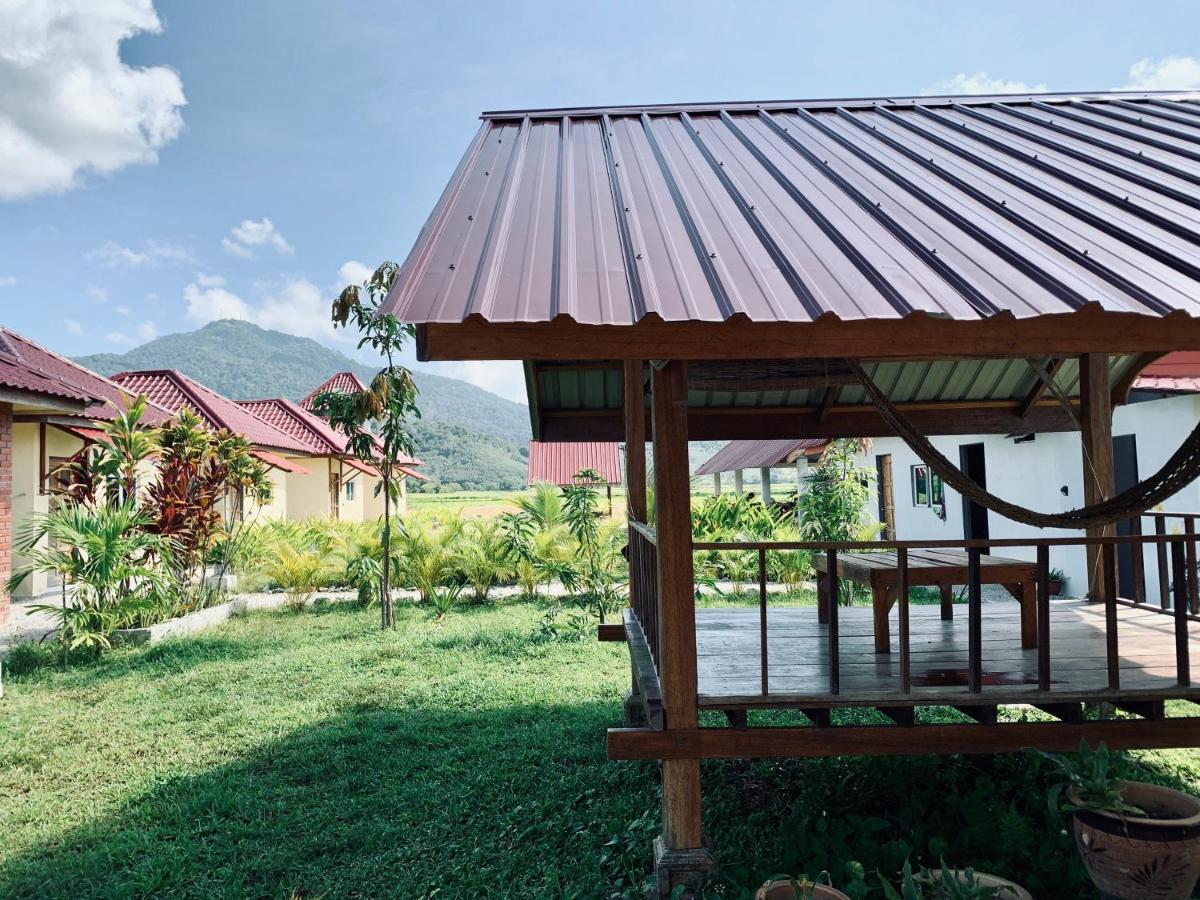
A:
x,y
943,568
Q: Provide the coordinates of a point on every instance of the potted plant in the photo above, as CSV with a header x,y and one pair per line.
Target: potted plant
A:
x,y
1137,840
785,887
945,883
1058,582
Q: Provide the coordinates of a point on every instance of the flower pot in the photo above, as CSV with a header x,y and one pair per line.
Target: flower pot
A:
x,y
1057,586
1155,857
783,889
1005,889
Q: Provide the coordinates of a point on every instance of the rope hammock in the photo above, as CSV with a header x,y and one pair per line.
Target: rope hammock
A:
x,y
1177,473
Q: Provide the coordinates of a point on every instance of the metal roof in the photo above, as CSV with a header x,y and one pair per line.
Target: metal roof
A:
x,y
560,463
962,208
1174,373
757,454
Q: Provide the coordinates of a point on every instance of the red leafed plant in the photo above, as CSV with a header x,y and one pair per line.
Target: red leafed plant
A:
x,y
199,474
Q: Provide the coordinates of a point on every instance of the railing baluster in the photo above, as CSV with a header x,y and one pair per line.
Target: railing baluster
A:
x,y
1137,557
1183,668
1164,592
1108,555
832,587
762,615
1043,616
974,623
1189,527
902,602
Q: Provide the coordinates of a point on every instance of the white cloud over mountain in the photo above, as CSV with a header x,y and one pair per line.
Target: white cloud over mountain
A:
x,y
248,236
69,104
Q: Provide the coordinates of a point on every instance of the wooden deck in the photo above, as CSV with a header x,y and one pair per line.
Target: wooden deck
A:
x,y
729,672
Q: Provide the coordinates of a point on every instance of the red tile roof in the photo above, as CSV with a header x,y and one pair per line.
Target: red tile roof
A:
x,y
175,391
756,454
278,462
341,383
559,463
313,431
1178,372
61,377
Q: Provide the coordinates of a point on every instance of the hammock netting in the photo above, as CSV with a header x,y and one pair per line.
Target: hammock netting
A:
x,y
1177,473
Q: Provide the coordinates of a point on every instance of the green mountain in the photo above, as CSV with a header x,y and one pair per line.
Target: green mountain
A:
x,y
466,435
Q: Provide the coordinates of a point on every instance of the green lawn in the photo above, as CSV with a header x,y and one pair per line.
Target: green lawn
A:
x,y
310,755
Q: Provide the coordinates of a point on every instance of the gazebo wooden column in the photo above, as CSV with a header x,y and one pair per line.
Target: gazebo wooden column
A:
x,y
680,858
1095,398
634,390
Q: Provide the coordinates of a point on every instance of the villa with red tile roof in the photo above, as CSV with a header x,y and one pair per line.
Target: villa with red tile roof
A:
x,y
49,411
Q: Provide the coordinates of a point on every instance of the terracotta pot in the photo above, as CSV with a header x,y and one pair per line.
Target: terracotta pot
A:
x,y
1056,587
1156,857
1006,890
783,890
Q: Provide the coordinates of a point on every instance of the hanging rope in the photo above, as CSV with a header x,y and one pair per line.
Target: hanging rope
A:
x,y
1176,474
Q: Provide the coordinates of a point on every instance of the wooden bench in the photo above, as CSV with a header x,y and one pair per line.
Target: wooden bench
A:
x,y
941,568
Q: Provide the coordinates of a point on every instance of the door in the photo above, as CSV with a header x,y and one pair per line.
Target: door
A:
x,y
975,516
1125,476
887,498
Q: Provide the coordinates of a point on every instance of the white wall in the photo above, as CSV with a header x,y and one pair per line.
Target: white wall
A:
x,y
1032,474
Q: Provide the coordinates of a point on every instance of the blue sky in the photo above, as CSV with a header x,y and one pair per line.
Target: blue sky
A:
x,y
165,163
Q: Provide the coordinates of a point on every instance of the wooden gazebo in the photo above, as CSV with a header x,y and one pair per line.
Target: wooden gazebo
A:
x,y
717,271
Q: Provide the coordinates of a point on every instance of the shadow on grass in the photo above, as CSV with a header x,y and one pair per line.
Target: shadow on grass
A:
x,y
376,802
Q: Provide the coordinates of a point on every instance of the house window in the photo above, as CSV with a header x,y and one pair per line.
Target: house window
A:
x,y
920,485
937,490
349,490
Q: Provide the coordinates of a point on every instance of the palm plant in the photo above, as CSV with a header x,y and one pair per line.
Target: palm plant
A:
x,y
485,557
544,506
443,600
109,559
299,574
361,554
428,553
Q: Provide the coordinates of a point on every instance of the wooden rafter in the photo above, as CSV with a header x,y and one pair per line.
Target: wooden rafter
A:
x,y
1050,371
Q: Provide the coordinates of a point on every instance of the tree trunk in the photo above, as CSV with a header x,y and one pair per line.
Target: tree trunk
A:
x,y
385,581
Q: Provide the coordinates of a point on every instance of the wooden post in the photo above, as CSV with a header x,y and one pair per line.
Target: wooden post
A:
x,y
737,481
1095,397
635,440
765,474
635,503
680,858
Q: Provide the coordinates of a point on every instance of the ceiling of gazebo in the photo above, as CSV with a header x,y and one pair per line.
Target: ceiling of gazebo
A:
x,y
583,400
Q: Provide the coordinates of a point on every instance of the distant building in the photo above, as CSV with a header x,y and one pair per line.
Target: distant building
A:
x,y
737,456
558,464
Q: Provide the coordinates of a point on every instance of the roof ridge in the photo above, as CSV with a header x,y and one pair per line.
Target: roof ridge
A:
x,y
879,100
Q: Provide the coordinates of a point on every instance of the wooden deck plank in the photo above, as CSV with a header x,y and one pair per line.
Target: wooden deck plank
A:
x,y
729,673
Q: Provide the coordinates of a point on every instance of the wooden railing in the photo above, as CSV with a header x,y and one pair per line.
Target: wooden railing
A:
x,y
1184,545
643,582
1180,548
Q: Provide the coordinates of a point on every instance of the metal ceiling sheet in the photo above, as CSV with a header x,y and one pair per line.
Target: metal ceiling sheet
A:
x,y
964,208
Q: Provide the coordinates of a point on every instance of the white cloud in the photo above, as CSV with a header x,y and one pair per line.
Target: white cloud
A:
x,y
147,331
353,272
8,281
244,238
1171,73
296,306
122,310
73,327
118,337
503,377
112,255
96,293
209,281
69,103
982,83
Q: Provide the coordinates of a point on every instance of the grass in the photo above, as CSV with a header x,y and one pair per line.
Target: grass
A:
x,y
314,756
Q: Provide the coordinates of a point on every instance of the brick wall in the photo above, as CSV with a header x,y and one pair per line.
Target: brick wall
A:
x,y
6,487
